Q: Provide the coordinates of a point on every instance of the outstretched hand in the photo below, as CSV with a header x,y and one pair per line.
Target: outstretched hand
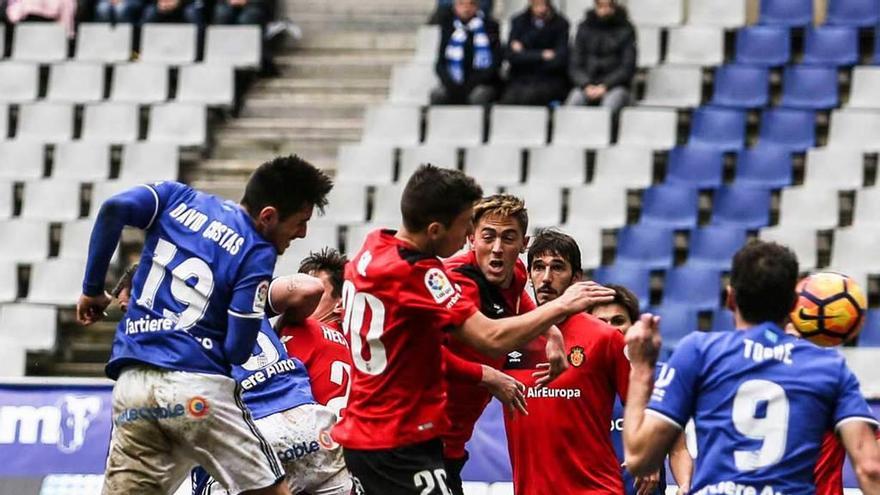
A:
x,y
90,309
583,295
507,389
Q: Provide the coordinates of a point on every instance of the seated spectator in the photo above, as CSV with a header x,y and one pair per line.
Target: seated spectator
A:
x,y
179,11
126,11
603,58
469,57
444,10
257,12
61,11
538,55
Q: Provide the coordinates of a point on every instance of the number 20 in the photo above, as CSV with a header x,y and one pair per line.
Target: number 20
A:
x,y
355,304
772,428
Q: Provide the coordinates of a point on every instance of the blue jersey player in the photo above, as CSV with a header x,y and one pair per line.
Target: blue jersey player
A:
x,y
761,399
199,296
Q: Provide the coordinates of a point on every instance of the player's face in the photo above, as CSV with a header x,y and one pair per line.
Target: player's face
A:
x,y
614,315
446,241
551,274
328,305
282,232
497,242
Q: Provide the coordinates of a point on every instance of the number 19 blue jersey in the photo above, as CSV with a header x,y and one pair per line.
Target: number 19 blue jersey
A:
x,y
761,401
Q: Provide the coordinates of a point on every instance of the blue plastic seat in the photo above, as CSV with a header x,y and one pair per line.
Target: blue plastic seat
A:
x,y
695,286
766,46
713,246
789,128
831,46
720,128
723,320
870,336
859,13
741,86
764,166
876,47
696,166
676,322
670,205
635,278
648,246
809,87
786,12
741,206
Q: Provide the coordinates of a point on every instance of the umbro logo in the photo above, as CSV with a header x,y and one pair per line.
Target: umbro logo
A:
x,y
515,356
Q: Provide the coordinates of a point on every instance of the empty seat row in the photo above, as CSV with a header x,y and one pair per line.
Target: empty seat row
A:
x,y
798,13
88,161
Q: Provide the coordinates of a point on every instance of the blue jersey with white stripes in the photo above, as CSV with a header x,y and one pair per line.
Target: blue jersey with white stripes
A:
x,y
761,401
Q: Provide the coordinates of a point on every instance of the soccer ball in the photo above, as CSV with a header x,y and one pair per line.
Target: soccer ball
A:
x,y
830,308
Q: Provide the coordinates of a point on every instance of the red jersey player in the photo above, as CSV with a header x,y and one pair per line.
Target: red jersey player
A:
x,y
398,302
564,445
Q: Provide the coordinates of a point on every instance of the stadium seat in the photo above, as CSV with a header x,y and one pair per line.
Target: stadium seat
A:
x,y
544,203
39,42
834,167
21,160
104,42
76,82
34,327
319,236
648,41
656,12
394,125
593,207
494,165
789,128
180,123
648,127
695,45
721,13
2,39
149,162
789,13
84,161
713,246
437,155
676,322
4,122
695,287
110,123
45,122
855,250
672,86
635,278
557,166
8,284
723,320
831,46
575,10
870,336
744,207
649,246
386,205
587,127
52,200
695,166
347,203
670,205
212,85
19,82
866,208
624,167
25,241
139,83
101,191
865,89
801,239
6,199
815,207
766,46
455,125
365,164
411,84
741,86
356,234
75,237
172,44
860,13
720,128
237,46
518,126
764,166
427,44
856,129
56,281
876,49
809,87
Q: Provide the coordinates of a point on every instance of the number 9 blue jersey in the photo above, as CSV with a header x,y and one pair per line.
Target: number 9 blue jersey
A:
x,y
761,401
203,261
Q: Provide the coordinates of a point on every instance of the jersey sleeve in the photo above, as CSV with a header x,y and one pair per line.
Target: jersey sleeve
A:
x,y
461,370
250,292
619,364
430,293
851,406
673,397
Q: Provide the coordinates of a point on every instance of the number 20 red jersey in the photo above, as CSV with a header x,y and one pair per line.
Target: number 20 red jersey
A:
x,y
398,302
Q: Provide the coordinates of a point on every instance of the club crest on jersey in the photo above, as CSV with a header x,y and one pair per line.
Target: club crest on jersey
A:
x,y
261,296
438,285
576,356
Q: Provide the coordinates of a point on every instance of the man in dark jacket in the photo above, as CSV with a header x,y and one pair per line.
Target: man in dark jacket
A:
x,y
469,57
603,59
538,55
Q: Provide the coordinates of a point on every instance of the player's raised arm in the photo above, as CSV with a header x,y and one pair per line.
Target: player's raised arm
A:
x,y
295,297
861,444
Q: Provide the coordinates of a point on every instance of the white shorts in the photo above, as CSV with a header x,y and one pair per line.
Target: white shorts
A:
x,y
167,422
312,460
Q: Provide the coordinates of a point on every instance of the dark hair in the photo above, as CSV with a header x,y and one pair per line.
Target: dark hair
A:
x,y
124,281
555,242
763,278
436,195
625,298
327,260
288,183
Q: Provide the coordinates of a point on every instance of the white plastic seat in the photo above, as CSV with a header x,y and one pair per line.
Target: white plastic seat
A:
x,y
347,203
575,10
494,164
386,205
19,82
648,41
648,127
853,128
235,46
33,327
212,85
39,42
6,199
455,125
721,13
21,160
589,240
557,165
75,238
544,203
52,200
173,44
4,119
411,84
356,234
835,167
595,207
624,167
139,83
103,42
695,45
656,12
2,38
76,82
392,124
855,250
863,363
110,122
673,86
866,208
85,161
865,92
438,155
45,122
56,282
8,284
518,126
101,191
804,206
149,162
801,239
25,241
183,124
427,44
365,164
319,236
587,127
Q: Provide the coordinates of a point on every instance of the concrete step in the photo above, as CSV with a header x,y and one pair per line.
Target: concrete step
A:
x,y
357,40
319,87
260,150
76,369
310,107
342,65
349,8
364,21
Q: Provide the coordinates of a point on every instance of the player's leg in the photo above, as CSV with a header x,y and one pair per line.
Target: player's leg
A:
x,y
411,470
453,474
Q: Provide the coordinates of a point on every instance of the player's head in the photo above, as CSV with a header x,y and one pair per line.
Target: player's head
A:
x,y
762,283
437,203
500,225
620,313
466,9
554,264
328,265
281,195
122,291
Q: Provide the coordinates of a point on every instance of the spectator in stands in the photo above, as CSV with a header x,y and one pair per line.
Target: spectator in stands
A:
x,y
469,57
603,58
173,11
257,12
444,10
537,51
61,11
126,11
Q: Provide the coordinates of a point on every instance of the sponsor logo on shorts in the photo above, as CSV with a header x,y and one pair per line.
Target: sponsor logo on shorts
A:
x,y
299,450
738,489
197,407
326,440
150,413
553,393
576,356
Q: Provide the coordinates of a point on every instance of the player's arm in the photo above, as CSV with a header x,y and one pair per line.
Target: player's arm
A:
x,y
860,441
294,297
502,386
247,308
681,464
